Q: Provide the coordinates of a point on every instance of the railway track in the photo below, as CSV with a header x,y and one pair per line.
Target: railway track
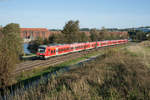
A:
x,y
29,65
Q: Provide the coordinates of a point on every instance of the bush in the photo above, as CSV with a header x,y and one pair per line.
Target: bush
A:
x,y
33,45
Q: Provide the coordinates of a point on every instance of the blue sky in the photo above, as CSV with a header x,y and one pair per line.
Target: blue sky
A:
x,y
91,13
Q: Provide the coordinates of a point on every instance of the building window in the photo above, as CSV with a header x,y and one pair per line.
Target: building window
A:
x,y
31,35
25,34
43,35
37,34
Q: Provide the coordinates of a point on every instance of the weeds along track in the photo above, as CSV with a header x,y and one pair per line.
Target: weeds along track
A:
x,y
29,65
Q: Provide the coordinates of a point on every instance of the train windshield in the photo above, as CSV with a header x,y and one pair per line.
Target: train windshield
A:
x,y
41,50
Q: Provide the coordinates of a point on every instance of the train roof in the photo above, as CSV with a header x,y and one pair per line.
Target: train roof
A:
x,y
75,44
43,46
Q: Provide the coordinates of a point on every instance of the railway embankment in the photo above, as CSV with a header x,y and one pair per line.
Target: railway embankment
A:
x,y
40,67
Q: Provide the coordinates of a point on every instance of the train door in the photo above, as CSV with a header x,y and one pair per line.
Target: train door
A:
x,y
53,52
49,52
56,51
99,44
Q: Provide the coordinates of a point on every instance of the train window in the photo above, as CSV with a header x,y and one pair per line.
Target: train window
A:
x,y
54,51
41,49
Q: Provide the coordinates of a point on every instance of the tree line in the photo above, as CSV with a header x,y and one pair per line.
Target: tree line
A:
x,y
137,35
72,33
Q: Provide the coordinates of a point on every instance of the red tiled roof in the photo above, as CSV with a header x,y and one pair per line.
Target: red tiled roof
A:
x,y
34,29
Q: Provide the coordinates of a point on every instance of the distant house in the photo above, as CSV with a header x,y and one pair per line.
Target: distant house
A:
x,y
29,34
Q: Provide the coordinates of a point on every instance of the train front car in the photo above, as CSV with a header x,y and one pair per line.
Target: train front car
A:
x,y
41,51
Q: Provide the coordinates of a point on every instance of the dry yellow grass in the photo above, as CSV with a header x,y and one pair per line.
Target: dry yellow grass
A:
x,y
116,75
142,52
145,43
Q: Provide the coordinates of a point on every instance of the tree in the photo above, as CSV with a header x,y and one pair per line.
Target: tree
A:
x,y
56,38
33,45
8,59
83,37
45,41
94,35
104,34
11,28
59,38
140,36
51,38
14,30
71,31
10,49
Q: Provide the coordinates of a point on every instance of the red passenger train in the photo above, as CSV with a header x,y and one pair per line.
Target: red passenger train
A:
x,y
46,51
